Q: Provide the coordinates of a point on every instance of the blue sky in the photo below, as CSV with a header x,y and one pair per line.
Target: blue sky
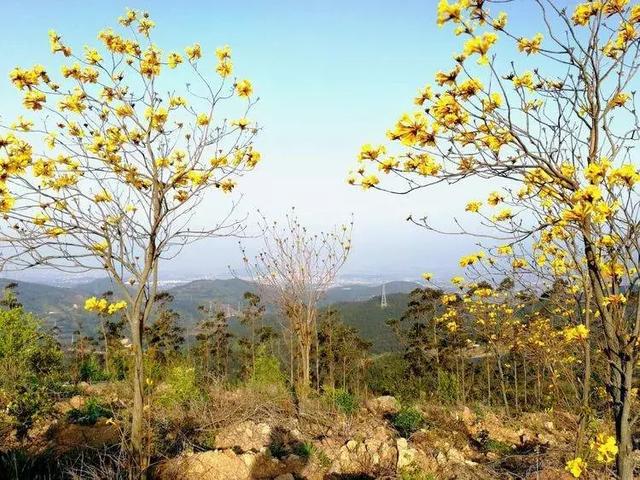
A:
x,y
331,75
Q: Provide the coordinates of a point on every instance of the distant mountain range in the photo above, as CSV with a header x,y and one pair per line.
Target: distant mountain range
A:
x,y
359,304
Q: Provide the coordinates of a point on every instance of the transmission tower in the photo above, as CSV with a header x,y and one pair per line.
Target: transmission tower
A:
x,y
383,298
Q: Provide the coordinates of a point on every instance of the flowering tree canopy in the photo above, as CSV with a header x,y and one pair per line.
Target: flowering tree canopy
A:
x,y
108,167
563,131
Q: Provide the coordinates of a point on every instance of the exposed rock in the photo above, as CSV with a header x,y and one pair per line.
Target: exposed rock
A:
x,y
65,437
211,465
75,402
456,456
467,416
228,465
375,451
406,454
245,436
385,405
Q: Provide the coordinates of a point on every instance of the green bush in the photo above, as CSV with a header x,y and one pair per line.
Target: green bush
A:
x,y
30,362
278,449
414,473
303,449
388,375
496,446
90,370
181,385
89,413
343,400
447,386
267,372
407,421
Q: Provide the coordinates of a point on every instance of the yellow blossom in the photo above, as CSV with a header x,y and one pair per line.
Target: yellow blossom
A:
x,y
473,206
368,182
576,466
194,52
244,88
202,120
480,45
224,68
223,53
584,11
174,60
102,196
605,447
530,45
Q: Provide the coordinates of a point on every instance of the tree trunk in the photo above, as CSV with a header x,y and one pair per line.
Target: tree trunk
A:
x,y
586,377
305,361
503,387
622,416
317,359
106,345
137,424
331,360
487,362
624,460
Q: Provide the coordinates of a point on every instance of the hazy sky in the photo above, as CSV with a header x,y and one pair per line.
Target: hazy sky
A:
x,y
331,75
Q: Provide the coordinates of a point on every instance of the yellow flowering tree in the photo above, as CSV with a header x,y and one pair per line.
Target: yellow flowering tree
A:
x,y
105,169
559,135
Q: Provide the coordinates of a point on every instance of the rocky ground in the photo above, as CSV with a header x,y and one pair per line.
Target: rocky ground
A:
x,y
317,443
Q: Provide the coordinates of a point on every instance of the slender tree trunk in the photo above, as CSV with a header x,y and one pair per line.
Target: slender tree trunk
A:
x,y
331,359
503,387
344,373
291,355
524,374
137,424
515,381
463,383
586,376
317,340
305,359
106,345
253,348
624,460
487,363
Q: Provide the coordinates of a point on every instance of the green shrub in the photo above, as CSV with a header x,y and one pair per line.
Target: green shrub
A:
x,y
30,362
407,421
345,402
447,386
496,446
388,375
267,372
28,403
278,449
303,449
415,473
90,370
119,364
181,385
89,413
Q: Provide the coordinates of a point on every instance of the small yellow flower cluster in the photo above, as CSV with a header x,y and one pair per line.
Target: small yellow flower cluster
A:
x,y
605,448
469,260
579,333
102,305
576,466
